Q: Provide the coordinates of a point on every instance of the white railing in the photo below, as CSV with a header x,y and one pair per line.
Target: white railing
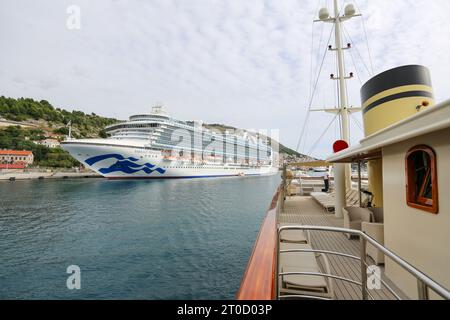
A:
x,y
424,282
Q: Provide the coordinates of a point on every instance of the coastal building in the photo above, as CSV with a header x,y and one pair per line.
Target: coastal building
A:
x,y
49,143
14,159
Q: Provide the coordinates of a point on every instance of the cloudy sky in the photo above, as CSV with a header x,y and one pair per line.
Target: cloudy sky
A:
x,y
245,63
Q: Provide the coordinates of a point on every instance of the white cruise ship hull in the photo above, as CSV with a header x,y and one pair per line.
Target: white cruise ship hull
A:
x,y
121,161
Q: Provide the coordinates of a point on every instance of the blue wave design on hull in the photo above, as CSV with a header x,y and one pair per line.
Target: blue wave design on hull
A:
x,y
96,159
125,165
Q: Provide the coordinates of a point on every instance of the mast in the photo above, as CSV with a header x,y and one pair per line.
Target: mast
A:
x,y
343,179
69,124
345,131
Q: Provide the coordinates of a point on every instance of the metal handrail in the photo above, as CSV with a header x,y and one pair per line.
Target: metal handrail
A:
x,y
324,252
318,274
392,291
304,297
339,254
424,282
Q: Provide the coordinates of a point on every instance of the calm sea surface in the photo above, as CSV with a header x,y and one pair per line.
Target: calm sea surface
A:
x,y
178,239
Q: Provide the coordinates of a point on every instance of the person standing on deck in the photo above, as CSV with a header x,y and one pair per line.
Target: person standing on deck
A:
x,y
326,180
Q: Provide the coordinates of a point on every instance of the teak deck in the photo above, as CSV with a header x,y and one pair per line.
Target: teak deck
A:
x,y
306,211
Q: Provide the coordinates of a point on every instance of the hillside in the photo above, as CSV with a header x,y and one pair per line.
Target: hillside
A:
x,y
30,121
53,120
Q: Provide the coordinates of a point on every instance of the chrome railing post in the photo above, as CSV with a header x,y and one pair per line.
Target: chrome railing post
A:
x,y
277,272
422,290
284,189
363,242
359,184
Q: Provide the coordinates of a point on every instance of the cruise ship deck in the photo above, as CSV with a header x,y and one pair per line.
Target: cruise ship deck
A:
x,y
304,210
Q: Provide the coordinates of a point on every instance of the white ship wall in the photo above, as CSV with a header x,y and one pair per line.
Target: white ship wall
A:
x,y
119,162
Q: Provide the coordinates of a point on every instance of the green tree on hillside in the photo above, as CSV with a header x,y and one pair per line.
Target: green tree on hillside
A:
x,y
23,109
16,138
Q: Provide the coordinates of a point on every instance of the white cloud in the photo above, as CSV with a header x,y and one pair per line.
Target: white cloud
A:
x,y
244,63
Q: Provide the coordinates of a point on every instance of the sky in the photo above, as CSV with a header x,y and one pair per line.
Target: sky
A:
x,y
245,63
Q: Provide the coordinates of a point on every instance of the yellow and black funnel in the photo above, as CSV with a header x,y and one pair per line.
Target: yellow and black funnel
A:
x,y
395,95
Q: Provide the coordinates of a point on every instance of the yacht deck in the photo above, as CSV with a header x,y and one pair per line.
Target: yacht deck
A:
x,y
306,211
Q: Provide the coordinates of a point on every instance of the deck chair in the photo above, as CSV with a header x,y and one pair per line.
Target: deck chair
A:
x,y
294,236
354,217
307,285
293,190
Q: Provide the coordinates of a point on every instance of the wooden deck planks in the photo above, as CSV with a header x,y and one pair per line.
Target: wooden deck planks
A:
x,y
306,211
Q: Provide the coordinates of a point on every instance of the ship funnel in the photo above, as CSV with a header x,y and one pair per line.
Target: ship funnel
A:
x,y
395,95
389,98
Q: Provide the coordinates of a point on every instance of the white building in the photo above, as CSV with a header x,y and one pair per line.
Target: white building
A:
x,y
49,143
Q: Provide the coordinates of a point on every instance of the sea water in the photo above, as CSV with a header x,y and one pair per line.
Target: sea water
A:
x,y
167,239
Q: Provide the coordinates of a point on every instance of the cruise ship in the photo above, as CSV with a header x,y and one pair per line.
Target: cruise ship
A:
x,y
157,146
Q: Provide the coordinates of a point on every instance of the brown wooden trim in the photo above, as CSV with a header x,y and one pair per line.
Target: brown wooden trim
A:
x,y
258,282
411,196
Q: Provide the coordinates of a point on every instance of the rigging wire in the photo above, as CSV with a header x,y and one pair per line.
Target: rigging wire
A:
x,y
357,122
367,38
313,49
335,129
312,98
356,67
314,91
357,50
353,60
311,80
311,61
314,146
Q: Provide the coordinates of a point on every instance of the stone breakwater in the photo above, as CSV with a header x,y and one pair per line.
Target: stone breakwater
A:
x,y
19,175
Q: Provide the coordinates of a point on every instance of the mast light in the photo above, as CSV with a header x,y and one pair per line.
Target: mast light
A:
x,y
350,10
324,14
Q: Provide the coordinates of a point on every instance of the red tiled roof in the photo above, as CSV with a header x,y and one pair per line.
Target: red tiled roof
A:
x,y
15,153
12,166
